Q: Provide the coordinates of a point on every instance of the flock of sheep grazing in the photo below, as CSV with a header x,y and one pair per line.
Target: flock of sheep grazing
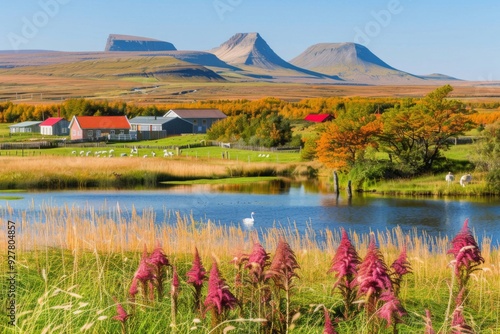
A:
x,y
464,180
103,153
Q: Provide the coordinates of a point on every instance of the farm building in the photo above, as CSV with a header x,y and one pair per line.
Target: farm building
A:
x,y
100,127
54,126
25,127
202,119
152,127
319,118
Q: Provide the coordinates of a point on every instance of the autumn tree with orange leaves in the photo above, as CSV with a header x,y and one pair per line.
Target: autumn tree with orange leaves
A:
x,y
343,142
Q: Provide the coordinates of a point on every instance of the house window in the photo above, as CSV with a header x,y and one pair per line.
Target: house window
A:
x,y
195,121
73,132
64,130
122,132
112,132
90,133
204,122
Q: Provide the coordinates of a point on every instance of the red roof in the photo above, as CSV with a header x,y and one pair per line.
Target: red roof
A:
x,y
51,121
102,122
318,118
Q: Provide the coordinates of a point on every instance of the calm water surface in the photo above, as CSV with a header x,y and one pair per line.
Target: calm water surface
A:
x,y
284,205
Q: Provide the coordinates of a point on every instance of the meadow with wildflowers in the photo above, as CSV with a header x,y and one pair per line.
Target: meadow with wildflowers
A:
x,y
126,275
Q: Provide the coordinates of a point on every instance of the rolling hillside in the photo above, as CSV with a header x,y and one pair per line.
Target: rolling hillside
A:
x,y
152,68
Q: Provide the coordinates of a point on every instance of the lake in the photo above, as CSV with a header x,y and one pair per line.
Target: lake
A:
x,y
283,204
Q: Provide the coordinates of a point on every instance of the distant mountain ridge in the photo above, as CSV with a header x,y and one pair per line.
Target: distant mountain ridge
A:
x,y
117,42
251,50
352,62
243,57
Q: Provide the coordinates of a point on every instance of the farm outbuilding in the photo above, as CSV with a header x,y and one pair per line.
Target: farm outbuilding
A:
x,y
202,119
152,127
25,127
319,118
54,126
100,127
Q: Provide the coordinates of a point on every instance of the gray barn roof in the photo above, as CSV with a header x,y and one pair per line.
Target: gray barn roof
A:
x,y
25,124
197,113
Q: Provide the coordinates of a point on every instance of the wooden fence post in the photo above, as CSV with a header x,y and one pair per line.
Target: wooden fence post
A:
x,y
349,189
336,183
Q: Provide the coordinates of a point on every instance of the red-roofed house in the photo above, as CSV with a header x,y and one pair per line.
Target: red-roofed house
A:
x,y
99,127
54,126
318,118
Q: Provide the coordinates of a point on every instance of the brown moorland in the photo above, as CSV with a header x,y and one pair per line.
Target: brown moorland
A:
x,y
34,89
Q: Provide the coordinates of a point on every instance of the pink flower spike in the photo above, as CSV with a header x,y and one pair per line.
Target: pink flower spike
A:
x,y
197,274
465,249
373,277
346,259
401,266
328,329
391,311
219,297
144,272
257,261
158,258
133,288
122,315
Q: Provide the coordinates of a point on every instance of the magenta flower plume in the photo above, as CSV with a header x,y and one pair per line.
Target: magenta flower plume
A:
x,y
345,261
328,329
219,297
133,288
373,277
465,250
122,315
391,311
257,261
144,272
401,266
158,258
283,265
197,274
428,323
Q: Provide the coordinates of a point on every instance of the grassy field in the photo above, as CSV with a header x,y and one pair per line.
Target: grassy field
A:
x,y
63,168
70,269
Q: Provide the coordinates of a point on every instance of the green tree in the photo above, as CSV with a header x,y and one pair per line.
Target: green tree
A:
x,y
415,135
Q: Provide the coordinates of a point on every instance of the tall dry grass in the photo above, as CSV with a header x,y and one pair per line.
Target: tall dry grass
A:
x,y
115,239
79,172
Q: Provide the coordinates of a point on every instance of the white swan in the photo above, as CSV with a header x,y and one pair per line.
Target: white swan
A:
x,y
248,221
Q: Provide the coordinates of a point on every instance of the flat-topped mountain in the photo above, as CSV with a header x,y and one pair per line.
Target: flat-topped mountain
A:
x,y
135,43
352,62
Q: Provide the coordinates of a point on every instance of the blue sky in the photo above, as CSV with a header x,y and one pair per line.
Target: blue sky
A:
x,y
458,38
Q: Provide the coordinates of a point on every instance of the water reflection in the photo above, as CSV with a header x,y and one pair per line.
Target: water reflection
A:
x,y
282,203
